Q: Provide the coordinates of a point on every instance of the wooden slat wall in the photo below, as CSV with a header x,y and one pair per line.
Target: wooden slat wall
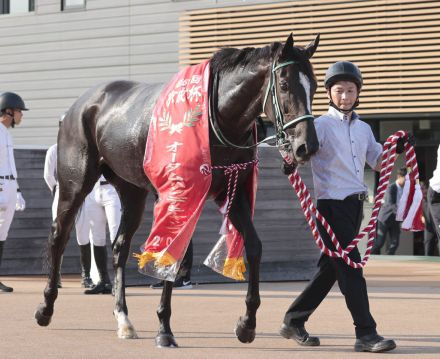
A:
x,y
277,216
396,44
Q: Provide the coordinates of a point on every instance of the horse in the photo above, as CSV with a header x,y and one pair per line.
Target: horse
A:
x,y
105,132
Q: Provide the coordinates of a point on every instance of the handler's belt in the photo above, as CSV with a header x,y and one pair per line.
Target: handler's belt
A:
x,y
8,177
363,196
102,183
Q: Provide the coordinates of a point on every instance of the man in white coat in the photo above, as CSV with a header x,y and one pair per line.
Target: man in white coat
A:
x,y
102,206
11,200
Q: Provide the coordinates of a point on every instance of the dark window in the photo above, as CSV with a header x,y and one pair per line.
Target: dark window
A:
x,y
16,6
4,6
72,4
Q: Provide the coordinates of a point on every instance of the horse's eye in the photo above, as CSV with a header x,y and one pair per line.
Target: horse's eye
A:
x,y
284,85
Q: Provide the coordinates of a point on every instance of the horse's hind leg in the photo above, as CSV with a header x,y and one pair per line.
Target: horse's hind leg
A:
x,y
240,216
71,196
68,205
133,204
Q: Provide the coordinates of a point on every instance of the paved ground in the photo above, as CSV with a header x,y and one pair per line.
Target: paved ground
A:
x,y
404,297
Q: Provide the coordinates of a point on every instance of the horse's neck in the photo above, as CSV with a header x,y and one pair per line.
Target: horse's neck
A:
x,y
240,96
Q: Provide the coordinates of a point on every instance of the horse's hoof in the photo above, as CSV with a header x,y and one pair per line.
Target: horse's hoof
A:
x,y
42,319
244,335
127,333
165,341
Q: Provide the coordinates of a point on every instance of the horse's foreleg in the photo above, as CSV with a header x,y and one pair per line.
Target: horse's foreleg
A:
x,y
165,337
133,203
241,218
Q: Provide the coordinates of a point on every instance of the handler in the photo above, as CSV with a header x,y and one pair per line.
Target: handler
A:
x,y
345,144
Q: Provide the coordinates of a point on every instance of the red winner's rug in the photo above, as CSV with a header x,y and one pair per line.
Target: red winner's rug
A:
x,y
178,163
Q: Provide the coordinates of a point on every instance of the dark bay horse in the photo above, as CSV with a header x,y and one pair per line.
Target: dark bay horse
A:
x,y
105,132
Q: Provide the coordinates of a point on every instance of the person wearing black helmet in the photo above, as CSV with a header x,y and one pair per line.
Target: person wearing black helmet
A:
x,y
345,144
11,107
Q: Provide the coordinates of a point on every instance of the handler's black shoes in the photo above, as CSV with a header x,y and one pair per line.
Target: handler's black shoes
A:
x,y
374,343
5,288
299,334
100,288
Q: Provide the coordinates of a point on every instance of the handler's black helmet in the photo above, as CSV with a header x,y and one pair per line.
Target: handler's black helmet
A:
x,y
11,100
343,71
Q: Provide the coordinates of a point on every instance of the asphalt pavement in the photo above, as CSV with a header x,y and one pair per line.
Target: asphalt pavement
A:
x,y
404,299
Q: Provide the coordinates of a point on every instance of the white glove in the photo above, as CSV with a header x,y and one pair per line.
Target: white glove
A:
x,y
20,205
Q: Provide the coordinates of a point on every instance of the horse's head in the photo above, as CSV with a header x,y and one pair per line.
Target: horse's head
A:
x,y
288,99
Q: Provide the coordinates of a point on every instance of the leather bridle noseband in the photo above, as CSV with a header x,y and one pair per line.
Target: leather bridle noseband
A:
x,y
280,126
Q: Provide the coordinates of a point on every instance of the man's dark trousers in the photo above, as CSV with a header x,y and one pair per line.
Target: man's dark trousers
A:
x,y
345,219
392,227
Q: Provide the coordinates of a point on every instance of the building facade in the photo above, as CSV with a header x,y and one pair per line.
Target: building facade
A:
x,y
54,50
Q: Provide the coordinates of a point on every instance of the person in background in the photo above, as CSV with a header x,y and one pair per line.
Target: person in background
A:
x,y
386,220
102,206
11,199
433,196
430,239
183,282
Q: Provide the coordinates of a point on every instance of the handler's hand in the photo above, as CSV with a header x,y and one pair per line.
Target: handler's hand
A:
x,y
287,169
20,205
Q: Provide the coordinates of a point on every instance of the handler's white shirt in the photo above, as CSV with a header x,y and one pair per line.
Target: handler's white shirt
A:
x,y
7,163
344,147
50,167
8,188
434,182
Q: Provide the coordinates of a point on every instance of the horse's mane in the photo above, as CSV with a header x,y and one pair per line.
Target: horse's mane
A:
x,y
227,59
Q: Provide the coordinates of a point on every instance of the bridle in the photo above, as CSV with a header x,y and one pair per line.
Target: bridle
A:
x,y
280,126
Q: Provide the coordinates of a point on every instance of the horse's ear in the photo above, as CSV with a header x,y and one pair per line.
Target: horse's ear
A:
x,y
311,48
288,45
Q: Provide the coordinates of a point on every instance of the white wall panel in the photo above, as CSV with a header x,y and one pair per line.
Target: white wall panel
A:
x,y
51,57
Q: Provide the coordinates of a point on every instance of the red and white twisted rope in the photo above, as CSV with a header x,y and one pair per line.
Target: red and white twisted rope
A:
x,y
388,160
232,172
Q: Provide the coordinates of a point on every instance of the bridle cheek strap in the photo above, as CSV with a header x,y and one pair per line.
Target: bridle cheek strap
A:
x,y
280,126
297,120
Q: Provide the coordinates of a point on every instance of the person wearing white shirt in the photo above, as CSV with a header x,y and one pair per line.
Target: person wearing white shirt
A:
x,y
102,206
433,196
346,144
11,200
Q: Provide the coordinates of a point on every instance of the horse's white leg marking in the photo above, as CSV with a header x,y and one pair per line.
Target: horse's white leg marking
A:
x,y
125,328
304,80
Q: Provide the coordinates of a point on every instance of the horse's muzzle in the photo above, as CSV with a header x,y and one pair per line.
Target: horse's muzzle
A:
x,y
303,150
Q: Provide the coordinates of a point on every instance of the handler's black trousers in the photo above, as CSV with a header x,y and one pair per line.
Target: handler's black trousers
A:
x,y
345,219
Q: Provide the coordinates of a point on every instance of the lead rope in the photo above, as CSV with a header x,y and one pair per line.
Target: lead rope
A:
x,y
232,171
388,161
